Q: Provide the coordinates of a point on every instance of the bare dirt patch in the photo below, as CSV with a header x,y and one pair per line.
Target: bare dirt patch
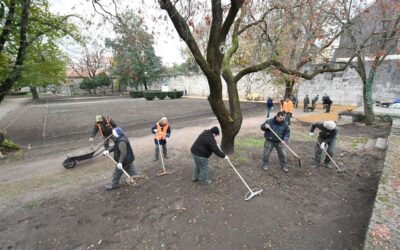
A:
x,y
304,209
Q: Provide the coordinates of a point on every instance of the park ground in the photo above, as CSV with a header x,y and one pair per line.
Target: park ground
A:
x,y
44,206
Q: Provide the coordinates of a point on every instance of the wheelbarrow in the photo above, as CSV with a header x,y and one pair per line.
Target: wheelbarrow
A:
x,y
71,161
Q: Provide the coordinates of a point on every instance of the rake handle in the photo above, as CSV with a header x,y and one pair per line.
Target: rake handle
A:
x,y
326,152
123,170
159,150
295,155
239,175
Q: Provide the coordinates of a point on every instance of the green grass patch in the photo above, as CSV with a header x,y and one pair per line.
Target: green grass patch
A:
x,y
251,142
358,140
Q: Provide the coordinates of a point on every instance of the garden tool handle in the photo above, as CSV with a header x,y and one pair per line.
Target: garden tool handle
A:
x,y
230,163
123,170
101,143
284,144
159,150
326,152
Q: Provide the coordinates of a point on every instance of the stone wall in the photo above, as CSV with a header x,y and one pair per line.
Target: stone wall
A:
x,y
384,227
346,87
254,86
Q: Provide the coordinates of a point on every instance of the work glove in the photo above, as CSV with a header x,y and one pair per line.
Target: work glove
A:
x,y
323,145
106,153
155,130
311,134
166,139
91,139
272,108
267,126
226,157
119,165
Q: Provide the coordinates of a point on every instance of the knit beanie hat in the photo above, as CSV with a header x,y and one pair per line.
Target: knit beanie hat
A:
x,y
330,125
117,132
215,130
99,118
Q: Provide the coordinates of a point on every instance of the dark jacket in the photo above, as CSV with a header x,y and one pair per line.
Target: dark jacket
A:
x,y
327,100
314,100
306,100
123,152
326,135
205,145
106,127
270,104
280,128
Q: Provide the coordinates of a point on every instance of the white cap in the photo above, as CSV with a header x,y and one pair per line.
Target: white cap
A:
x,y
330,125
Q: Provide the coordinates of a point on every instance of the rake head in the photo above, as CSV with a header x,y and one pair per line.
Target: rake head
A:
x,y
164,173
252,193
136,180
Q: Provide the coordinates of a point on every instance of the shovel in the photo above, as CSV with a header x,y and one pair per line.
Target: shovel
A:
x,y
295,155
132,180
339,170
164,172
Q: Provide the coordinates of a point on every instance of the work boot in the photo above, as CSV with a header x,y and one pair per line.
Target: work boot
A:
x,y
204,183
315,165
285,169
110,186
265,167
326,165
166,156
155,159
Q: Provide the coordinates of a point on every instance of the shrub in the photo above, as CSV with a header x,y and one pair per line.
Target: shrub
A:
x,y
161,95
9,145
175,94
136,94
17,93
179,94
149,95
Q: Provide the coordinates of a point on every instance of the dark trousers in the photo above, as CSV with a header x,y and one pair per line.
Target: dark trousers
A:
x,y
268,147
268,112
164,149
328,108
130,169
200,170
287,118
305,108
318,151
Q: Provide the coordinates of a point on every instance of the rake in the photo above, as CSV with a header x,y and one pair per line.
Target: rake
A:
x,y
252,192
295,155
164,171
339,170
132,180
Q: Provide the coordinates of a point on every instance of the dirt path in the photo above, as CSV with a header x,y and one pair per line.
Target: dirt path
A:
x,y
44,206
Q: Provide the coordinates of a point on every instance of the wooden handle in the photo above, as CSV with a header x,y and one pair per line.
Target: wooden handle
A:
x,y
295,155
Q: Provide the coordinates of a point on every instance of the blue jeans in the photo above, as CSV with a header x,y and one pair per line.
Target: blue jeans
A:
x,y
268,147
130,169
268,112
200,170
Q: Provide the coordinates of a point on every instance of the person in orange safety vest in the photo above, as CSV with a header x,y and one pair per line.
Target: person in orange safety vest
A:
x,y
162,132
288,108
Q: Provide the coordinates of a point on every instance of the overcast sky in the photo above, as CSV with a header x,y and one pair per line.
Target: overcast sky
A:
x,y
167,41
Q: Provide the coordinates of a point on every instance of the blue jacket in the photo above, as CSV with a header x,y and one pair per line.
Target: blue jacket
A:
x,y
280,128
270,104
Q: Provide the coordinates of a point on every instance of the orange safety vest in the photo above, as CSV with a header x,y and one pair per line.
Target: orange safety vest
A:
x,y
161,132
288,107
108,124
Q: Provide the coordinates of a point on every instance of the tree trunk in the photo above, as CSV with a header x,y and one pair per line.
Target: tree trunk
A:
x,y
230,122
289,83
367,98
35,95
23,44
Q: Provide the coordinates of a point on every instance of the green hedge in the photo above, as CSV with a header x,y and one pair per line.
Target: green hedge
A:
x,y
151,94
17,93
136,94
